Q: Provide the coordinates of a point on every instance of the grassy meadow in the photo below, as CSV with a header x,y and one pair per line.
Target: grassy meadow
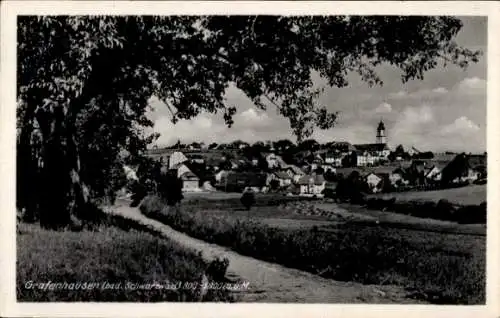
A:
x,y
437,267
127,260
469,195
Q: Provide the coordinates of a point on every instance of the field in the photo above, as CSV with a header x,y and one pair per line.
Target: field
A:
x,y
107,254
293,212
431,260
474,194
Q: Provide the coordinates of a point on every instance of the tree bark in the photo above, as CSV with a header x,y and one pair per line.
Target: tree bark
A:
x,y
27,169
53,208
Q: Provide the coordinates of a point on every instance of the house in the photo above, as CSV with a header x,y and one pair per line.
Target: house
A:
x,y
413,151
220,175
317,163
371,154
342,147
312,185
190,181
197,158
434,172
176,158
283,178
293,171
478,163
346,172
238,181
372,180
399,177
273,160
334,158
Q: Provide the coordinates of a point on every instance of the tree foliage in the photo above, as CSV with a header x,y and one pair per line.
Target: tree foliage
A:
x,y
248,199
84,83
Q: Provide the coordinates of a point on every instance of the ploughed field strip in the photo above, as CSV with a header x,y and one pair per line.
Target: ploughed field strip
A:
x,y
270,282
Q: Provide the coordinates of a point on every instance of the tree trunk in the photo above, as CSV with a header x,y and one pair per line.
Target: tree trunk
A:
x,y
27,176
27,170
53,208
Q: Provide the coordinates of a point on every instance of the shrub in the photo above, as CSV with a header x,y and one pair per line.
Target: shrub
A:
x,y
444,210
248,199
472,214
274,184
329,193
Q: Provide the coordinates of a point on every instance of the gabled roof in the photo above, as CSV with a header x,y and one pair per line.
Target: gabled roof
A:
x,y
188,175
444,156
177,165
295,169
282,175
333,154
371,147
384,169
311,179
378,175
250,179
342,145
476,160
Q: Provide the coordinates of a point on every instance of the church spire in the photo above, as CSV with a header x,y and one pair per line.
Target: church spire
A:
x,y
381,137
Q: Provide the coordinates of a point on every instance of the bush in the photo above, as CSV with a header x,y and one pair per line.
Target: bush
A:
x,y
380,203
248,199
329,193
472,214
444,210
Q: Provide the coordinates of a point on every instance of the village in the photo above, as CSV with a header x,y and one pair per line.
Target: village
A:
x,y
311,168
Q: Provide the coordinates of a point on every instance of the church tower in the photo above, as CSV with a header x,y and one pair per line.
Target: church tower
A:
x,y
381,137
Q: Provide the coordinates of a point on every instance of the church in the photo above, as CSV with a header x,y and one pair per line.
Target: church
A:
x,y
375,153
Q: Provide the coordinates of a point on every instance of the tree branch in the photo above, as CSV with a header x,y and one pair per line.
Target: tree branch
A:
x,y
170,106
272,102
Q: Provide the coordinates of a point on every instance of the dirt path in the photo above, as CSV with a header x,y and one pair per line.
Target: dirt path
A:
x,y
271,282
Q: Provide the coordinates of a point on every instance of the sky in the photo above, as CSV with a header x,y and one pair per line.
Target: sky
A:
x,y
444,112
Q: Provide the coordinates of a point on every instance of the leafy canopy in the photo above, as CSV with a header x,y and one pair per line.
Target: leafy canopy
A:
x,y
188,62
84,82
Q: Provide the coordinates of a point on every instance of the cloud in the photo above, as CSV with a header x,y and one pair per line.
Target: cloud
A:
x,y
412,123
252,117
440,90
435,92
398,95
383,108
472,85
461,125
421,126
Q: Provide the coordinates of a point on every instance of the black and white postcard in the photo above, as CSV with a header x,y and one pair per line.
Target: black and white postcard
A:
x,y
239,159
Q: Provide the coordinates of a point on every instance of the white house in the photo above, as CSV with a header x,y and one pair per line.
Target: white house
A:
x,y
372,180
371,154
190,182
312,185
219,176
283,178
434,173
295,172
274,161
176,158
334,159
398,176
